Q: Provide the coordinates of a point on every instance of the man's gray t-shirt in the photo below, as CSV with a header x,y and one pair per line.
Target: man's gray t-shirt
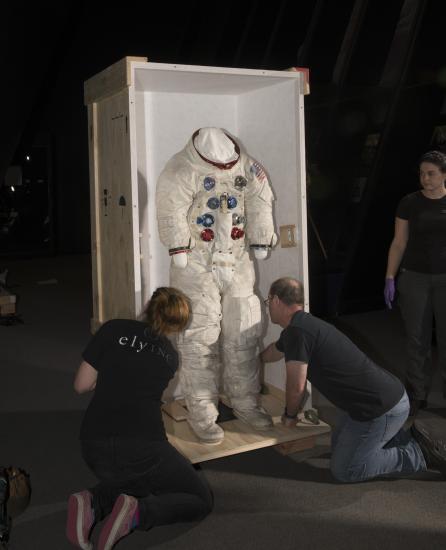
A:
x,y
338,368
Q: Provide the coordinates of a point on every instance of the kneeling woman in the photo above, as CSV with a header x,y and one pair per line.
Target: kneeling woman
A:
x,y
143,480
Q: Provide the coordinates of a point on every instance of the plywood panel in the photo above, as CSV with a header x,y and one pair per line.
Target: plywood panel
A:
x,y
116,216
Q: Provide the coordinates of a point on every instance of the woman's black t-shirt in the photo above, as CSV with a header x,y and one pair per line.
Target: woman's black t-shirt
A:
x,y
426,248
338,368
134,367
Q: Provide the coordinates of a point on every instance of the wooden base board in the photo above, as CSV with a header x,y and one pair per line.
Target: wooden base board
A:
x,y
239,437
295,446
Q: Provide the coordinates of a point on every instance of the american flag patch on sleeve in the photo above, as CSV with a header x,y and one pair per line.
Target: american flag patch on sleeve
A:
x,y
258,170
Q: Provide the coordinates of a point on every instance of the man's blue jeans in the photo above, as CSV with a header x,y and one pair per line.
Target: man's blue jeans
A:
x,y
378,447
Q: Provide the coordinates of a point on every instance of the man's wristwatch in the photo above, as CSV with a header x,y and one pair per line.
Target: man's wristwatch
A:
x,y
290,416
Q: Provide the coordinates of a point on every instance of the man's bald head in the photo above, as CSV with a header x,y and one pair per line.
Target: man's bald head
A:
x,y
290,291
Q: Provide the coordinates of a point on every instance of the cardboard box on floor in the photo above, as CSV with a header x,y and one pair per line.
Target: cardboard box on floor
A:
x,y
7,302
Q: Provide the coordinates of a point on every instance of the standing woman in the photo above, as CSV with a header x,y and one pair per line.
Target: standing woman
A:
x,y
143,480
419,245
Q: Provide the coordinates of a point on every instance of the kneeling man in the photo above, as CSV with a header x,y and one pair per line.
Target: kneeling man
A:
x,y
369,440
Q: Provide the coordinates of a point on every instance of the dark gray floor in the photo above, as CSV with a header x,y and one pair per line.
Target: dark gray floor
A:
x,y
262,499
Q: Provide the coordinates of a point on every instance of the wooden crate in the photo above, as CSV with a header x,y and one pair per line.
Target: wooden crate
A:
x,y
139,115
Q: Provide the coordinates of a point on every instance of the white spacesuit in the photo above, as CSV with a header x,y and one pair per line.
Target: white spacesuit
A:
x,y
212,201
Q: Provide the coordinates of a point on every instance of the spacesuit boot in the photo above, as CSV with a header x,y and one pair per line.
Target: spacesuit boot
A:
x,y
199,377
256,417
202,419
251,412
209,433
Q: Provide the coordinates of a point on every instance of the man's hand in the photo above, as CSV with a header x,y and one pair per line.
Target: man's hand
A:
x,y
271,354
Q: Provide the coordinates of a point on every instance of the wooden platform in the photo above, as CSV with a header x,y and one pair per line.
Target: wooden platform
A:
x,y
239,437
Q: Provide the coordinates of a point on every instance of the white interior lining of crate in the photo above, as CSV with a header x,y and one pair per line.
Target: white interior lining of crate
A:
x,y
265,121
168,78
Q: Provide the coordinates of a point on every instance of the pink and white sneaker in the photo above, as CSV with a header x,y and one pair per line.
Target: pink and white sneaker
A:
x,y
80,519
119,523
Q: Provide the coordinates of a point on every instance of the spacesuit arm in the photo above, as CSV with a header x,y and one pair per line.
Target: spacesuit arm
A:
x,y
258,206
174,197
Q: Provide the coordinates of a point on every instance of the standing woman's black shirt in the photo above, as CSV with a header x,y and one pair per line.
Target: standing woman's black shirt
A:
x,y
426,248
134,367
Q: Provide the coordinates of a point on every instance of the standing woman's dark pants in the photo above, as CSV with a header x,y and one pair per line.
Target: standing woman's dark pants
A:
x,y
166,485
422,296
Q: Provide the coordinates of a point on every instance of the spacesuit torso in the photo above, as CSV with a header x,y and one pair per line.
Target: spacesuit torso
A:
x,y
216,209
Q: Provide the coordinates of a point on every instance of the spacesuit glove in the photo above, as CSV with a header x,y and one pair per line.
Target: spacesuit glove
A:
x,y
180,259
260,253
389,292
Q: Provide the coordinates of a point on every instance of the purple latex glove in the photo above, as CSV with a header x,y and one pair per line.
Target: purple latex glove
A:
x,y
389,292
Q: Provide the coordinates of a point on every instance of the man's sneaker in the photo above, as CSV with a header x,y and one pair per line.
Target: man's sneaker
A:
x,y
119,523
256,417
211,434
432,447
80,519
417,405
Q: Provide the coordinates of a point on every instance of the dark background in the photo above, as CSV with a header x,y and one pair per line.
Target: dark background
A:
x,y
378,88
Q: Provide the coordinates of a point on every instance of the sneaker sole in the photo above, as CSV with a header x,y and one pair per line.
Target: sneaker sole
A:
x,y
114,523
75,522
433,429
437,447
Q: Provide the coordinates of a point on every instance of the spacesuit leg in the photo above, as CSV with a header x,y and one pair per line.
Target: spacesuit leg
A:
x,y
241,329
198,348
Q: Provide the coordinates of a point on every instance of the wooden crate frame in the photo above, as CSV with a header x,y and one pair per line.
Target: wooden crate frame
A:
x,y
139,114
